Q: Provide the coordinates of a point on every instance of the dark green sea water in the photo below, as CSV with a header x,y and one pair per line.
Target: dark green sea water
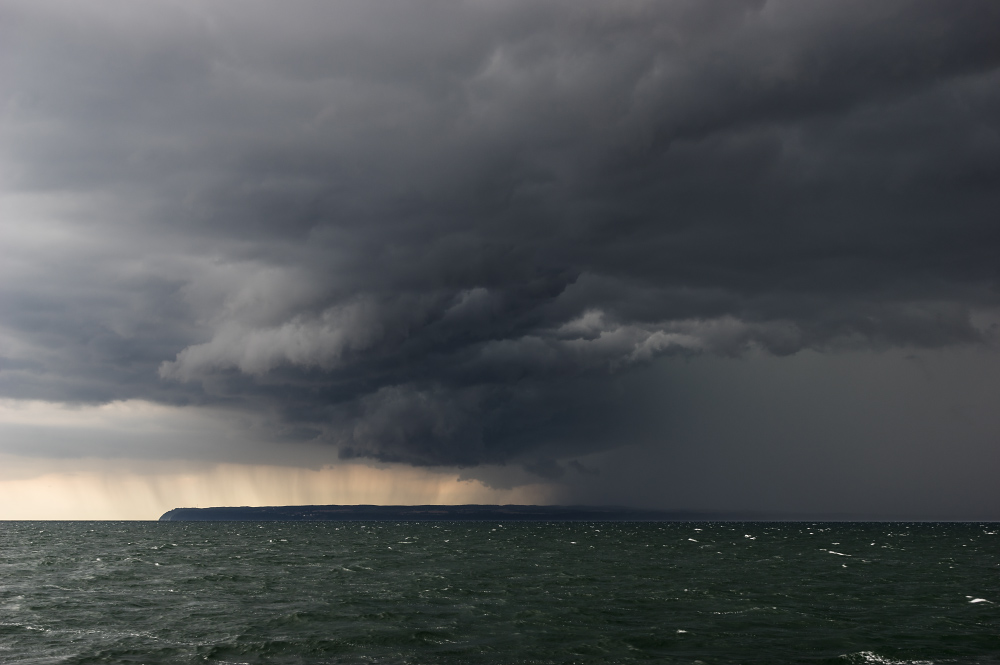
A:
x,y
474,592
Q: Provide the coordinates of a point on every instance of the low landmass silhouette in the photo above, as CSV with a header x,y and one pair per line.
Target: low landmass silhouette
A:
x,y
426,513
448,513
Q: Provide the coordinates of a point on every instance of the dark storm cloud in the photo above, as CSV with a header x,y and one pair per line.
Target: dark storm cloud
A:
x,y
438,233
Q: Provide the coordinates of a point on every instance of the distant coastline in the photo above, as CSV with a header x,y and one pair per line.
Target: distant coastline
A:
x,y
474,512
424,513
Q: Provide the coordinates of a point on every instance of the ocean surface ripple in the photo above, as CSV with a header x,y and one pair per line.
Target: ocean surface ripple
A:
x,y
498,592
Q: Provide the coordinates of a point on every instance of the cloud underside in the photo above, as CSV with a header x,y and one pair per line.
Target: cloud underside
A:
x,y
437,233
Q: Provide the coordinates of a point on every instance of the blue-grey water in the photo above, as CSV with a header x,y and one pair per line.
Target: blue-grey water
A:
x,y
480,592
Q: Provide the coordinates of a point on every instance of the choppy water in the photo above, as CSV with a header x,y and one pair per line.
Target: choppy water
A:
x,y
461,592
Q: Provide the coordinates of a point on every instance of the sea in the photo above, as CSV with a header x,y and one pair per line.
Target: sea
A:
x,y
499,592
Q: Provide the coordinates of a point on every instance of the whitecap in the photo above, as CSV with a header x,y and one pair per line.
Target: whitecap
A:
x,y
872,657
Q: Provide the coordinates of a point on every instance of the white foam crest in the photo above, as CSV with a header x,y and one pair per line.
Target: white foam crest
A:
x,y
872,657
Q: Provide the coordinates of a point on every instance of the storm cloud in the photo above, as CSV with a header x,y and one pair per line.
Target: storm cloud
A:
x,y
440,233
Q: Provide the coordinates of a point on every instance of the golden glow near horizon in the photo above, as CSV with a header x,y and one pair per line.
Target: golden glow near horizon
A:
x,y
40,487
113,492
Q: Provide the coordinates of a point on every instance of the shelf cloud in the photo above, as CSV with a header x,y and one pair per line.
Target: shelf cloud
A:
x,y
439,233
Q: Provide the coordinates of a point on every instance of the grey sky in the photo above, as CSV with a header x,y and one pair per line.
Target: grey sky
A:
x,y
466,234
